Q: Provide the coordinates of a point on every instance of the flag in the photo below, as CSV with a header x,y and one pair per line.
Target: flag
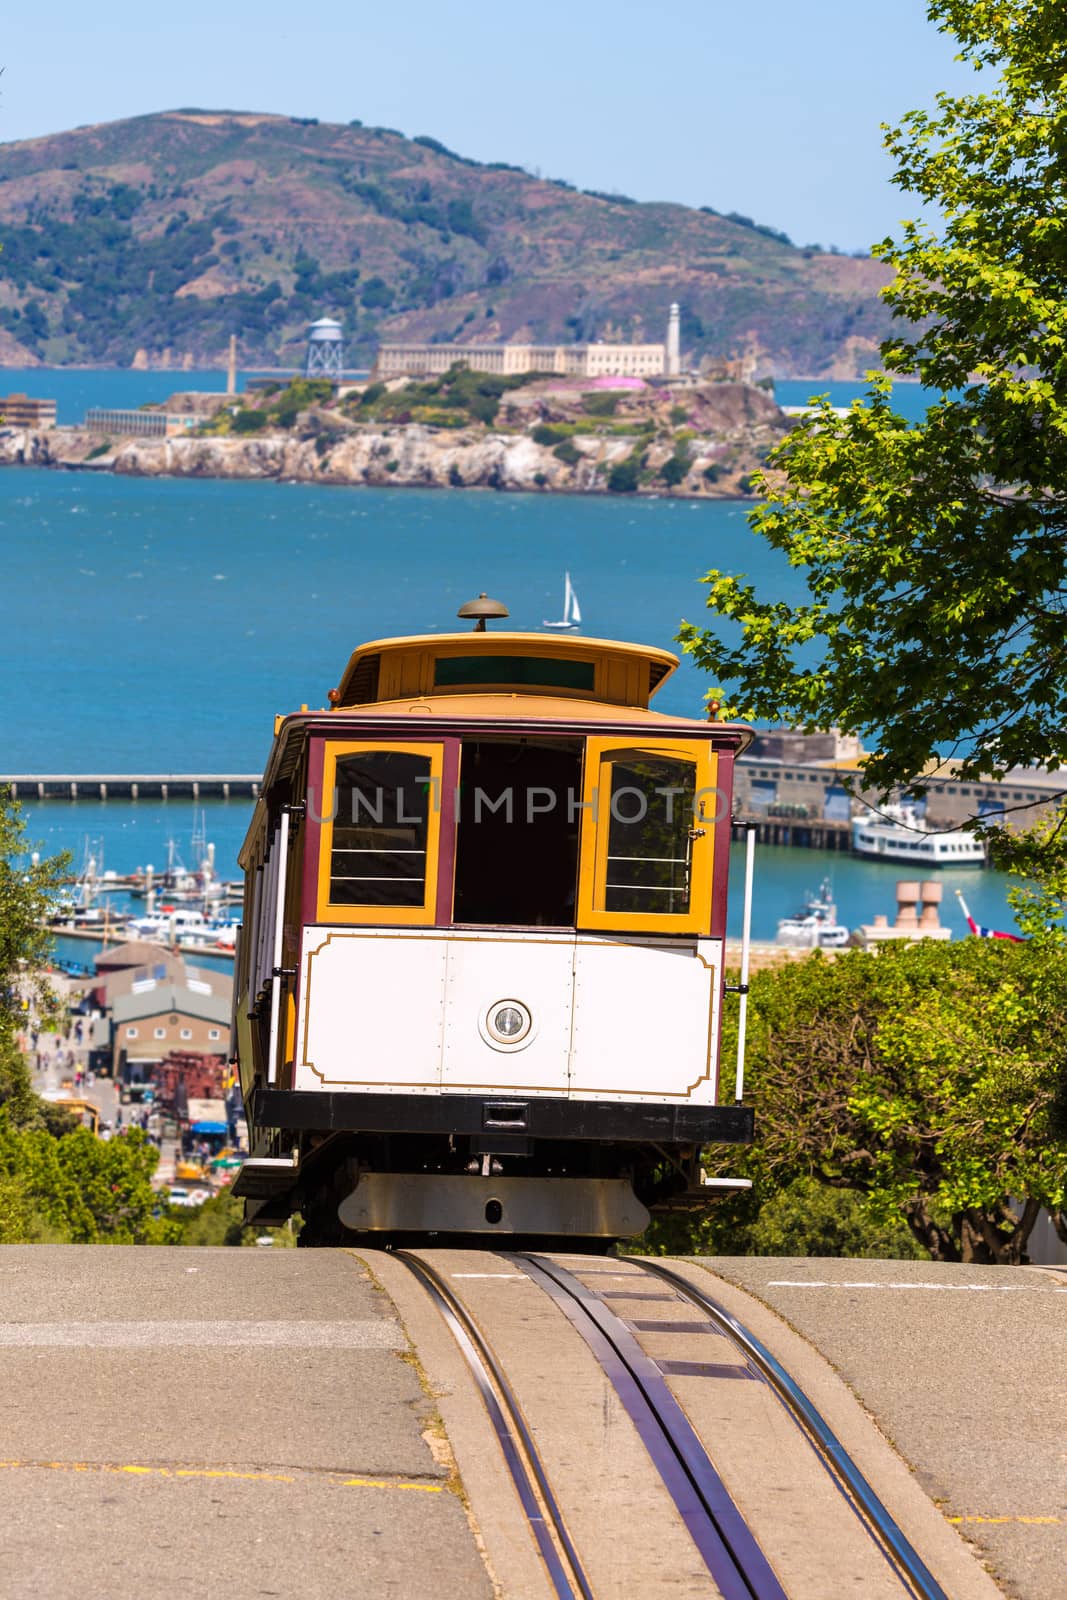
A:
x,y
986,933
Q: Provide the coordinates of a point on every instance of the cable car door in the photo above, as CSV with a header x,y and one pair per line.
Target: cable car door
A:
x,y
646,1000
648,818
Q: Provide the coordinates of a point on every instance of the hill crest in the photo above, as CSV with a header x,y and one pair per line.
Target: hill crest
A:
x,y
164,233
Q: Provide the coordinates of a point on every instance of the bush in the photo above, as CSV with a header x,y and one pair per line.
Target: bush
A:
x,y
545,433
567,452
392,466
540,479
431,418
714,472
600,405
625,476
249,421
674,471
679,415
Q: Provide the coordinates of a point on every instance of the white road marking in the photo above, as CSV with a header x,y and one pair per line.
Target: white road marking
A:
x,y
978,1288
521,1276
369,1335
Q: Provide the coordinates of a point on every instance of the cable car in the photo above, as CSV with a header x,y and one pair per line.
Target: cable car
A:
x,y
480,979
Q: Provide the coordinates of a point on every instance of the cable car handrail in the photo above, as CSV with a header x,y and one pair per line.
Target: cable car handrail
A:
x,y
746,947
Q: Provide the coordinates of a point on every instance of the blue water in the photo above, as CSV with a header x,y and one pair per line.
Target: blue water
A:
x,y
160,625
75,389
909,399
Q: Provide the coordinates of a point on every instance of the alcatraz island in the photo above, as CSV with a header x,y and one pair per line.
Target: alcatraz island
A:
x,y
597,417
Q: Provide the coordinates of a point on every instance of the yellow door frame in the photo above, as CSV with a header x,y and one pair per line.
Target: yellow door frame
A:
x,y
381,916
600,756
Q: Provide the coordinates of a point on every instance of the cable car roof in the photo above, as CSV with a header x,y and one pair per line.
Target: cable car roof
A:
x,y
535,664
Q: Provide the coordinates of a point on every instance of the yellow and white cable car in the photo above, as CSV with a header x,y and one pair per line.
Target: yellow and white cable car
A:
x,y
480,979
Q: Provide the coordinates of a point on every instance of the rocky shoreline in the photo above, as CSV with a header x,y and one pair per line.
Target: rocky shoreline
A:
x,y
717,463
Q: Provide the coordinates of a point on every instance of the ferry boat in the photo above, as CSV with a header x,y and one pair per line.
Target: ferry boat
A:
x,y
815,925
899,832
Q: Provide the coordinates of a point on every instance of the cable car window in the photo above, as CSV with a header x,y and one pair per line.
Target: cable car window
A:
x,y
380,830
649,843
542,671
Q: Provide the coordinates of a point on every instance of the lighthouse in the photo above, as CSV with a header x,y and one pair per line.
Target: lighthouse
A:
x,y
674,350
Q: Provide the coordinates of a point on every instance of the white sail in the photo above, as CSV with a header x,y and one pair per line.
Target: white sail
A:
x,y
574,613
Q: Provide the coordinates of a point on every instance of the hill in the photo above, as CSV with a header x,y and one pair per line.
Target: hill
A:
x,y
156,237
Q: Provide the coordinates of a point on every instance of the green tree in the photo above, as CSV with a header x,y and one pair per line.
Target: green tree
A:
x,y
925,1080
805,1218
27,890
935,554
78,1189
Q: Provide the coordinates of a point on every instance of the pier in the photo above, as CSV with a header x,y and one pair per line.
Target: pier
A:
x,y
813,833
133,786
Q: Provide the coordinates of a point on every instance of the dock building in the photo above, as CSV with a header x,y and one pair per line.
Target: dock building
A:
x,y
793,786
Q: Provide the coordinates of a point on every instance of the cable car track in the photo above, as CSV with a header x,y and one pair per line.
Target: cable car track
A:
x,y
718,1528
716,1525
835,1457
539,1504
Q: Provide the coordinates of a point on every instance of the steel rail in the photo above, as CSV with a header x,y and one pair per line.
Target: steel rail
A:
x,y
718,1529
514,1437
898,1549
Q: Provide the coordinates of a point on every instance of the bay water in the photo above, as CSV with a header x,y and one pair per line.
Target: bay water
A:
x,y
158,625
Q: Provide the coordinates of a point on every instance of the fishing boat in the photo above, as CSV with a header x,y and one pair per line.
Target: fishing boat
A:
x,y
900,832
80,904
815,925
572,613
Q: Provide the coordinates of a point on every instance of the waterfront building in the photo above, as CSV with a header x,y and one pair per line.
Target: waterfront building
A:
x,y
19,411
148,1024
138,424
811,793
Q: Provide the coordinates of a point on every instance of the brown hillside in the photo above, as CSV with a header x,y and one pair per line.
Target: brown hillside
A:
x,y
168,232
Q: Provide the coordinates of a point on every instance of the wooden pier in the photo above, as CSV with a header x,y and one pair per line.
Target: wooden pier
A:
x,y
133,786
812,833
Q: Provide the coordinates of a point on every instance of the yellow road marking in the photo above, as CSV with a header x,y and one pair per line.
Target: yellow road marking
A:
x,y
1055,1522
137,1470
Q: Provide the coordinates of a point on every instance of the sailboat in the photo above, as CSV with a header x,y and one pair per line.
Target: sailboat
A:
x,y
572,613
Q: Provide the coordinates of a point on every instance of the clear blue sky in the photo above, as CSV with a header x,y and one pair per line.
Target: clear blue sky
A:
x,y
771,107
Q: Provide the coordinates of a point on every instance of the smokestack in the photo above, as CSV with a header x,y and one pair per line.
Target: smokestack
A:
x,y
674,346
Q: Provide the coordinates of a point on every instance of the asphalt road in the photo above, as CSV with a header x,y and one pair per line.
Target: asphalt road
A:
x,y
223,1422
963,1369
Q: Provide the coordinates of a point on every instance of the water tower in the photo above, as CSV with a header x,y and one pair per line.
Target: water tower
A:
x,y
326,347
